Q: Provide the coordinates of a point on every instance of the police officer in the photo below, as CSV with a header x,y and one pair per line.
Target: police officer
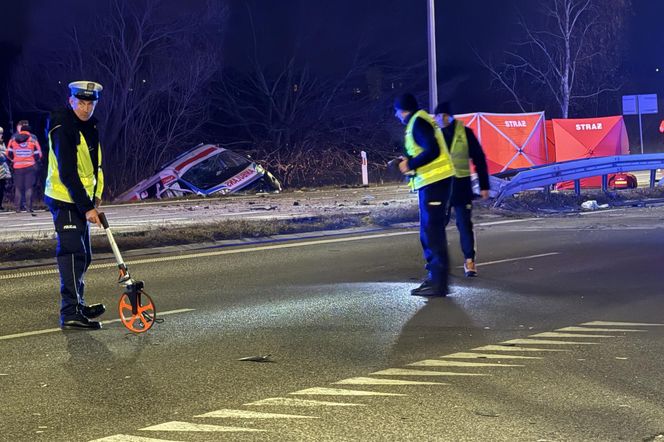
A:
x,y
464,147
73,190
429,164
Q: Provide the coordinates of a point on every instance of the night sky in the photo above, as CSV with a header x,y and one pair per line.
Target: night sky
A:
x,y
326,33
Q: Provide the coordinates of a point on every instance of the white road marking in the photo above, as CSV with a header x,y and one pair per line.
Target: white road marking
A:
x,y
592,329
513,348
411,372
341,392
501,261
545,342
215,253
567,335
129,438
290,402
509,221
372,381
54,330
244,414
188,426
462,355
443,363
618,324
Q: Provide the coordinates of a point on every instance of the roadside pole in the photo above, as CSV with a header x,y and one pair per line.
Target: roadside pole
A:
x,y
433,83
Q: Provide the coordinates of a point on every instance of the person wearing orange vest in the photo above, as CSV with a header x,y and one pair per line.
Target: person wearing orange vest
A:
x,y
430,167
74,185
24,151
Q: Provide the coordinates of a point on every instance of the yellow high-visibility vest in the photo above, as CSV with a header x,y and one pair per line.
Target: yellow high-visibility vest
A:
x,y
437,170
86,172
459,150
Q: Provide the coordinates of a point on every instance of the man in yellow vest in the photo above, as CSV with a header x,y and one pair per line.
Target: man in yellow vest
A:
x,y
73,190
464,147
429,165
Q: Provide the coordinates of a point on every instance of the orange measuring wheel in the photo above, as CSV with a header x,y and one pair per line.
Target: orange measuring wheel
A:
x,y
141,318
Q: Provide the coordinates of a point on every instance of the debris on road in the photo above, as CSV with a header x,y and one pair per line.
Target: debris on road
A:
x,y
259,358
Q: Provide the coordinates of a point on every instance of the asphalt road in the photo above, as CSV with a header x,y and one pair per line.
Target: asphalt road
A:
x,y
517,354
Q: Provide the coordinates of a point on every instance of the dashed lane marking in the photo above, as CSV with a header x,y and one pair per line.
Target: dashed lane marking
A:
x,y
372,381
205,428
486,356
290,402
54,330
128,438
444,363
412,372
513,348
341,392
546,342
618,324
594,329
501,261
244,414
568,335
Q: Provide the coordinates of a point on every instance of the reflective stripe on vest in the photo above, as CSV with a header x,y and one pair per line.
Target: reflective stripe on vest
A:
x,y
438,169
23,154
86,172
459,150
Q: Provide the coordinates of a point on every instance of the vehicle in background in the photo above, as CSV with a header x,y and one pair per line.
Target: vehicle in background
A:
x,y
206,169
622,180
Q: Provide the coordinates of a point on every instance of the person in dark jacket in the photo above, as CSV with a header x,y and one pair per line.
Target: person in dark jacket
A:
x,y
73,190
464,147
429,165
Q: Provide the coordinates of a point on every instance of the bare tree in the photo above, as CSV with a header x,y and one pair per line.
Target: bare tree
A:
x,y
571,56
306,128
154,65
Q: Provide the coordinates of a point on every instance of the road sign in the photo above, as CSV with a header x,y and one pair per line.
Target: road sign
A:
x,y
639,105
648,104
629,105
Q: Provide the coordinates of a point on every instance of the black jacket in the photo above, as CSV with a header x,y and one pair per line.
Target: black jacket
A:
x,y
65,129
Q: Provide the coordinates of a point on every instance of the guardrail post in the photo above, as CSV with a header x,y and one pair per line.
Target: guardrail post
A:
x,y
577,187
605,183
653,173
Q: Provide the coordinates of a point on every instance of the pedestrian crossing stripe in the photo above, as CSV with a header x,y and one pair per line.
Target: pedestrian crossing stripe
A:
x,y
341,392
568,335
546,342
412,372
513,348
372,381
244,414
204,428
129,438
463,355
618,324
595,329
444,363
290,402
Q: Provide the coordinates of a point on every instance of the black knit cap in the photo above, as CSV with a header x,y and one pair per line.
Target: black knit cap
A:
x,y
406,102
443,108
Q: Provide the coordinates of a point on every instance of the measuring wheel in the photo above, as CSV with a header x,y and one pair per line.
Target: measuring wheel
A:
x,y
141,318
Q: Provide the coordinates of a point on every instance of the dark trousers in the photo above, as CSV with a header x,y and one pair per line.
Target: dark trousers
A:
x,y
24,181
433,200
463,213
3,181
73,254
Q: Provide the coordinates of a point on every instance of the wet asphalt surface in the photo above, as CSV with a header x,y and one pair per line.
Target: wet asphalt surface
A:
x,y
334,316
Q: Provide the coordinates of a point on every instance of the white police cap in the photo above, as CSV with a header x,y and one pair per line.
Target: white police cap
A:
x,y
85,90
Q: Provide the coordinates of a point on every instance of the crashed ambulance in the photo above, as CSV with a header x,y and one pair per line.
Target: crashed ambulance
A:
x,y
204,170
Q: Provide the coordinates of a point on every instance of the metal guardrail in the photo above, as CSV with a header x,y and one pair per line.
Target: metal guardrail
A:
x,y
574,170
